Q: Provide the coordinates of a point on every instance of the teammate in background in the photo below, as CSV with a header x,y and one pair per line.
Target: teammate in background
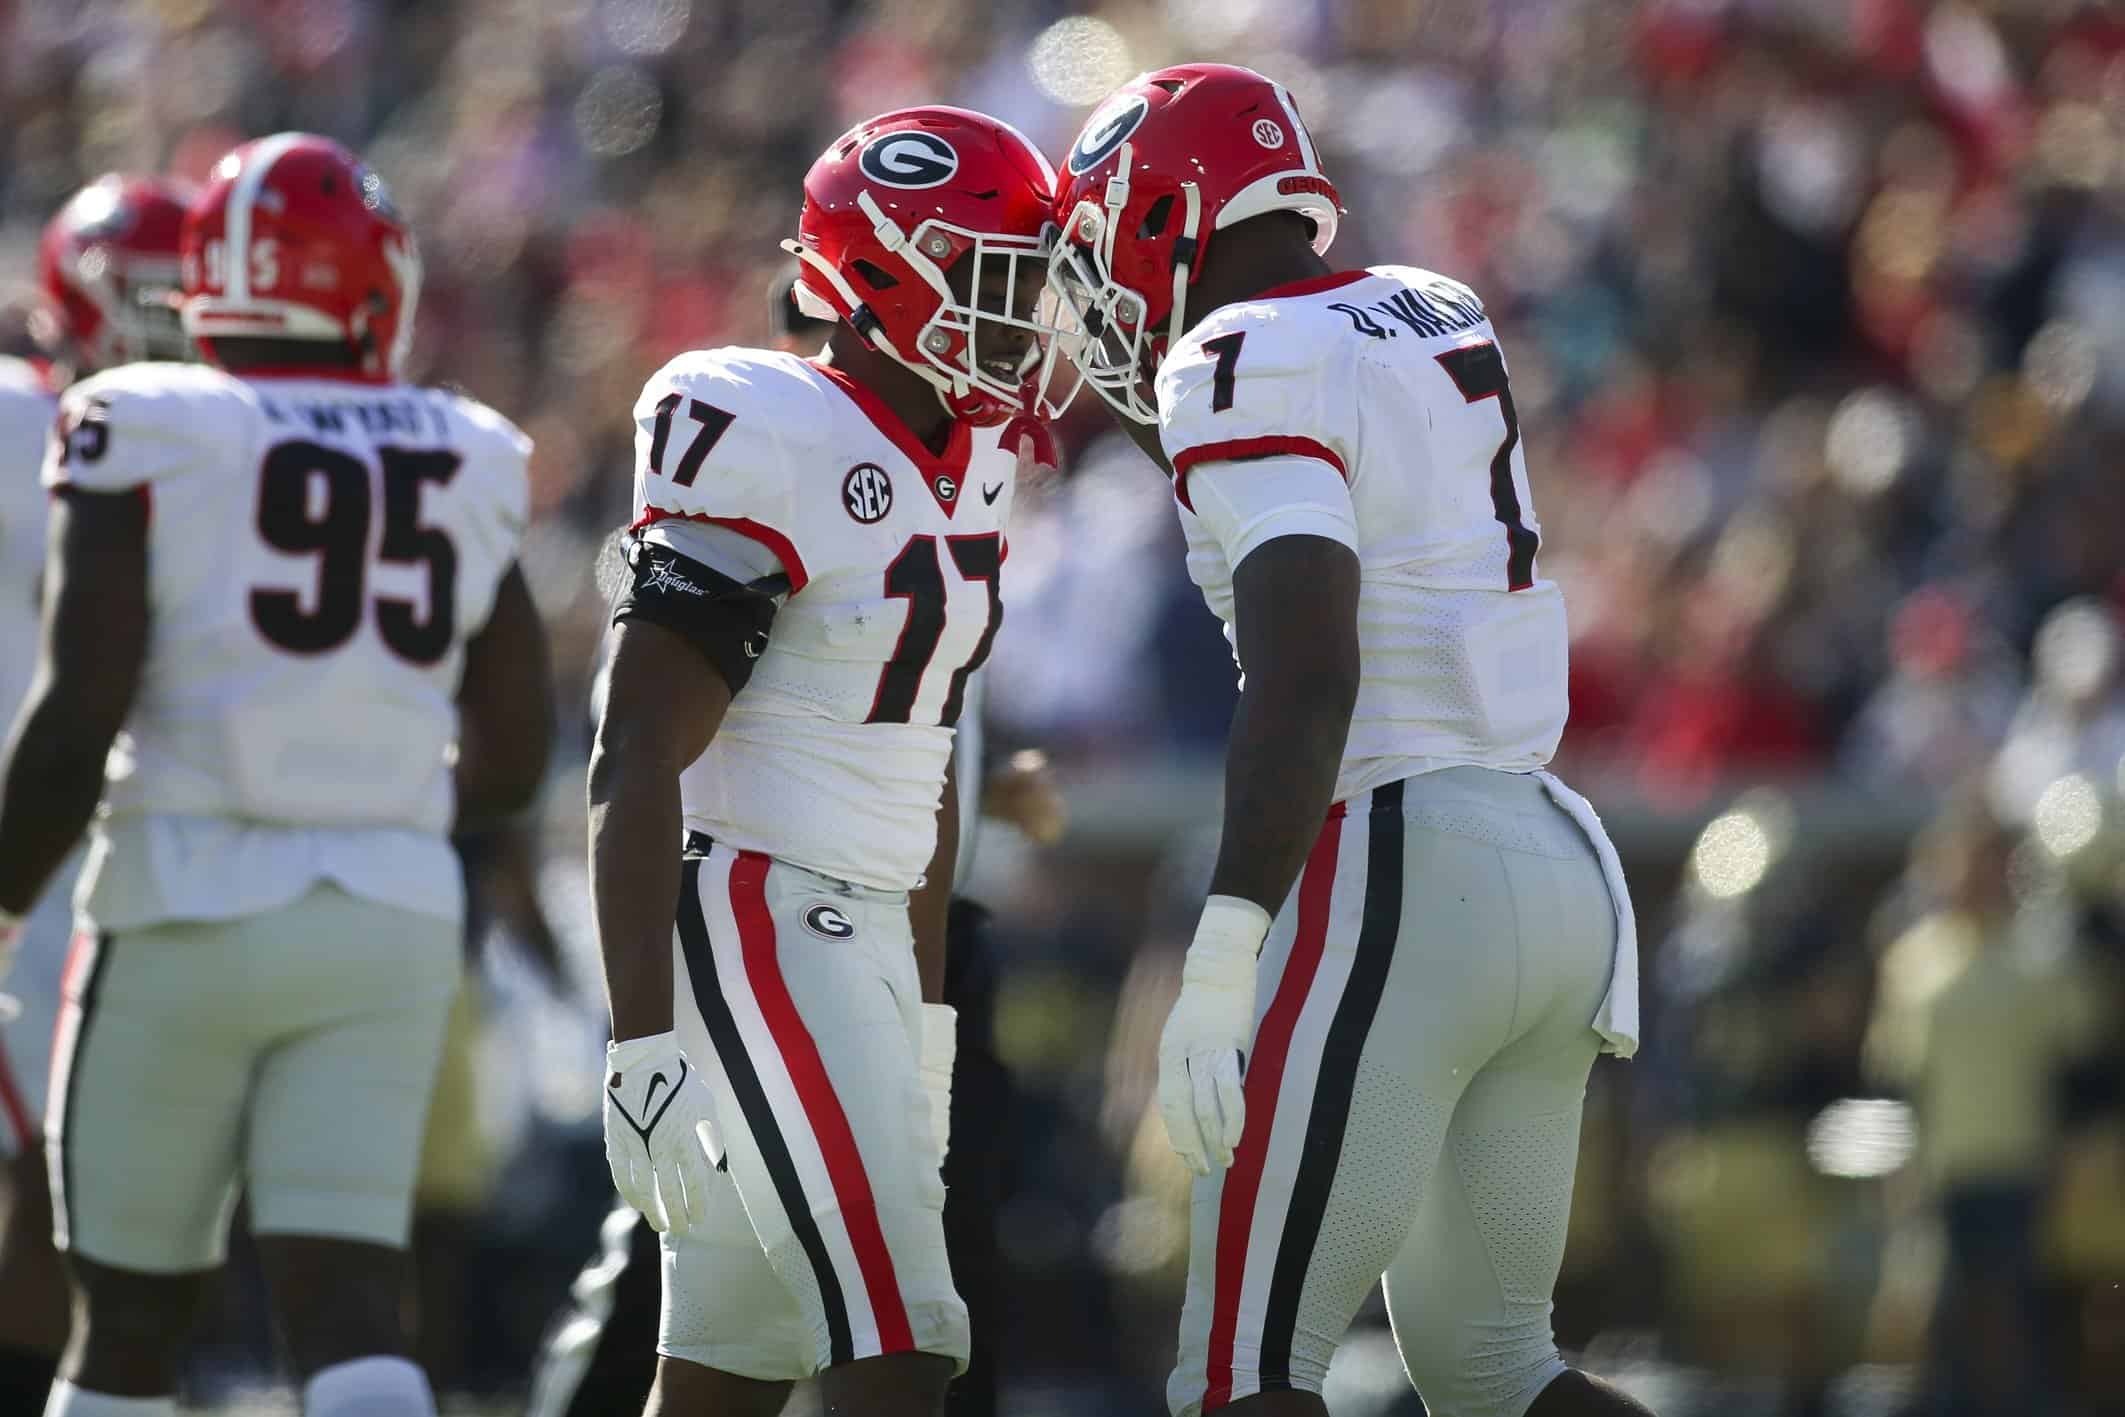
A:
x,y
1381,1072
107,267
290,581
813,579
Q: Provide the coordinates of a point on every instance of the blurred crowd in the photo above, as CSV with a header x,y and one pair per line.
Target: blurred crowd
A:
x,y
1816,318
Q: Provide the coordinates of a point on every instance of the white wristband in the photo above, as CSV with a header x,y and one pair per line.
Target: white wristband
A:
x,y
1231,928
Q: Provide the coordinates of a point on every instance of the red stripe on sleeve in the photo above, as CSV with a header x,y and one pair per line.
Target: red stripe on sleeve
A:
x,y
1248,450
1265,1074
822,1106
785,550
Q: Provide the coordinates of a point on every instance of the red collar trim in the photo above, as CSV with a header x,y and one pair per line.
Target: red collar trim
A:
x,y
1312,285
945,475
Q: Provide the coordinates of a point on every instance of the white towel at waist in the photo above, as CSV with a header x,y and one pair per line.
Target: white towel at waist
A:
x,y
1617,1019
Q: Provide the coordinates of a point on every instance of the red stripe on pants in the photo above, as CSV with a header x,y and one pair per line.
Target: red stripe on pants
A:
x,y
1265,1073
822,1107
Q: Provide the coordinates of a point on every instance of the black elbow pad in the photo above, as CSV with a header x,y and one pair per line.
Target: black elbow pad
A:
x,y
727,620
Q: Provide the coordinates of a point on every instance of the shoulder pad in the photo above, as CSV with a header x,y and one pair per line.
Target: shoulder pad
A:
x,y
718,436
140,423
1251,382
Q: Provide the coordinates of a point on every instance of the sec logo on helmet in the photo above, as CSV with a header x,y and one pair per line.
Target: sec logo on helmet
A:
x,y
1105,131
911,159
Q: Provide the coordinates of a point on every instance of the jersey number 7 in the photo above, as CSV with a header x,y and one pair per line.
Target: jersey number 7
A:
x,y
1478,371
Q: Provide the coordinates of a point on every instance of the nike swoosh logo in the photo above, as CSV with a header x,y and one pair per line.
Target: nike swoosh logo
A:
x,y
990,494
643,1129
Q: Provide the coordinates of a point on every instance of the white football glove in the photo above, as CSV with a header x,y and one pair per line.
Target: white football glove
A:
x,y
940,1045
1199,1054
658,1131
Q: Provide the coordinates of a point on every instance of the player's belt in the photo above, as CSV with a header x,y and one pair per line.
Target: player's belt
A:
x,y
698,845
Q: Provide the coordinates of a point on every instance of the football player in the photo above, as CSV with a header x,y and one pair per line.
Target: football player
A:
x,y
813,578
1379,1072
285,643
107,268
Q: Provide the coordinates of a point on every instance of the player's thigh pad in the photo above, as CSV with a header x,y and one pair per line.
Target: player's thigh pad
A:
x,y
1469,1295
340,1099
151,1068
1391,977
808,997
724,1306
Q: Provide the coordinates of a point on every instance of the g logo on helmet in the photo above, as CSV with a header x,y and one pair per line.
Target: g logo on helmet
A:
x,y
910,159
828,923
1105,131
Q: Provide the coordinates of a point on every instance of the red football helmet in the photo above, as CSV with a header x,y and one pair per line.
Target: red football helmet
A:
x,y
108,265
1168,159
294,238
890,208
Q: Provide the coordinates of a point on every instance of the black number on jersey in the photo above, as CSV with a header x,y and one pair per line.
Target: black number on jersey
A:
x,y
315,501
917,576
1227,350
1478,371
714,424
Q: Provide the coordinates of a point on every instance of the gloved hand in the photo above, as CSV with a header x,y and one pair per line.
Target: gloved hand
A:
x,y
1200,1053
659,1130
940,1046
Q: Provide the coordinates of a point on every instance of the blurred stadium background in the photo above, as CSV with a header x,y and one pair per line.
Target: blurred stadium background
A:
x,y
1816,310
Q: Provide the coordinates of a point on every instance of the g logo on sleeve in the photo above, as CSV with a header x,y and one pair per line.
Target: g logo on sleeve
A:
x,y
910,159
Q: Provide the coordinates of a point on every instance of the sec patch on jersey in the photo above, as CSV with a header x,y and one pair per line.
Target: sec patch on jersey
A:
x,y
867,492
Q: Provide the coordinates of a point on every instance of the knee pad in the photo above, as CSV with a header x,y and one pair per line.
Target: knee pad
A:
x,y
1492,1370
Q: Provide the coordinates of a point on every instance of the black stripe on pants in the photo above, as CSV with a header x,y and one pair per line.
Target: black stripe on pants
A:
x,y
759,1115
1380,924
90,988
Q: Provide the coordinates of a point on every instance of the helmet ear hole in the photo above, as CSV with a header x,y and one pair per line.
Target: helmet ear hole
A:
x,y
877,277
1155,219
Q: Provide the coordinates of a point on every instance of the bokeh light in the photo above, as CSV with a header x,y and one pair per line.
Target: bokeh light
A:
x,y
1732,855
618,111
644,27
1078,60
1860,1138
1868,442
2068,816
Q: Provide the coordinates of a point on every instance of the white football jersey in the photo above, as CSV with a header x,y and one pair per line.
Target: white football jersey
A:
x,y
25,420
832,756
1393,378
319,553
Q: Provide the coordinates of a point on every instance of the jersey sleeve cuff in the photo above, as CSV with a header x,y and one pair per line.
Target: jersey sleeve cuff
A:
x,y
783,548
1249,450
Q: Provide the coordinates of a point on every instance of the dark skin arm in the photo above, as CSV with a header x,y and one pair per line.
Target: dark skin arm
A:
x,y
664,702
88,671
505,710
1295,619
930,904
